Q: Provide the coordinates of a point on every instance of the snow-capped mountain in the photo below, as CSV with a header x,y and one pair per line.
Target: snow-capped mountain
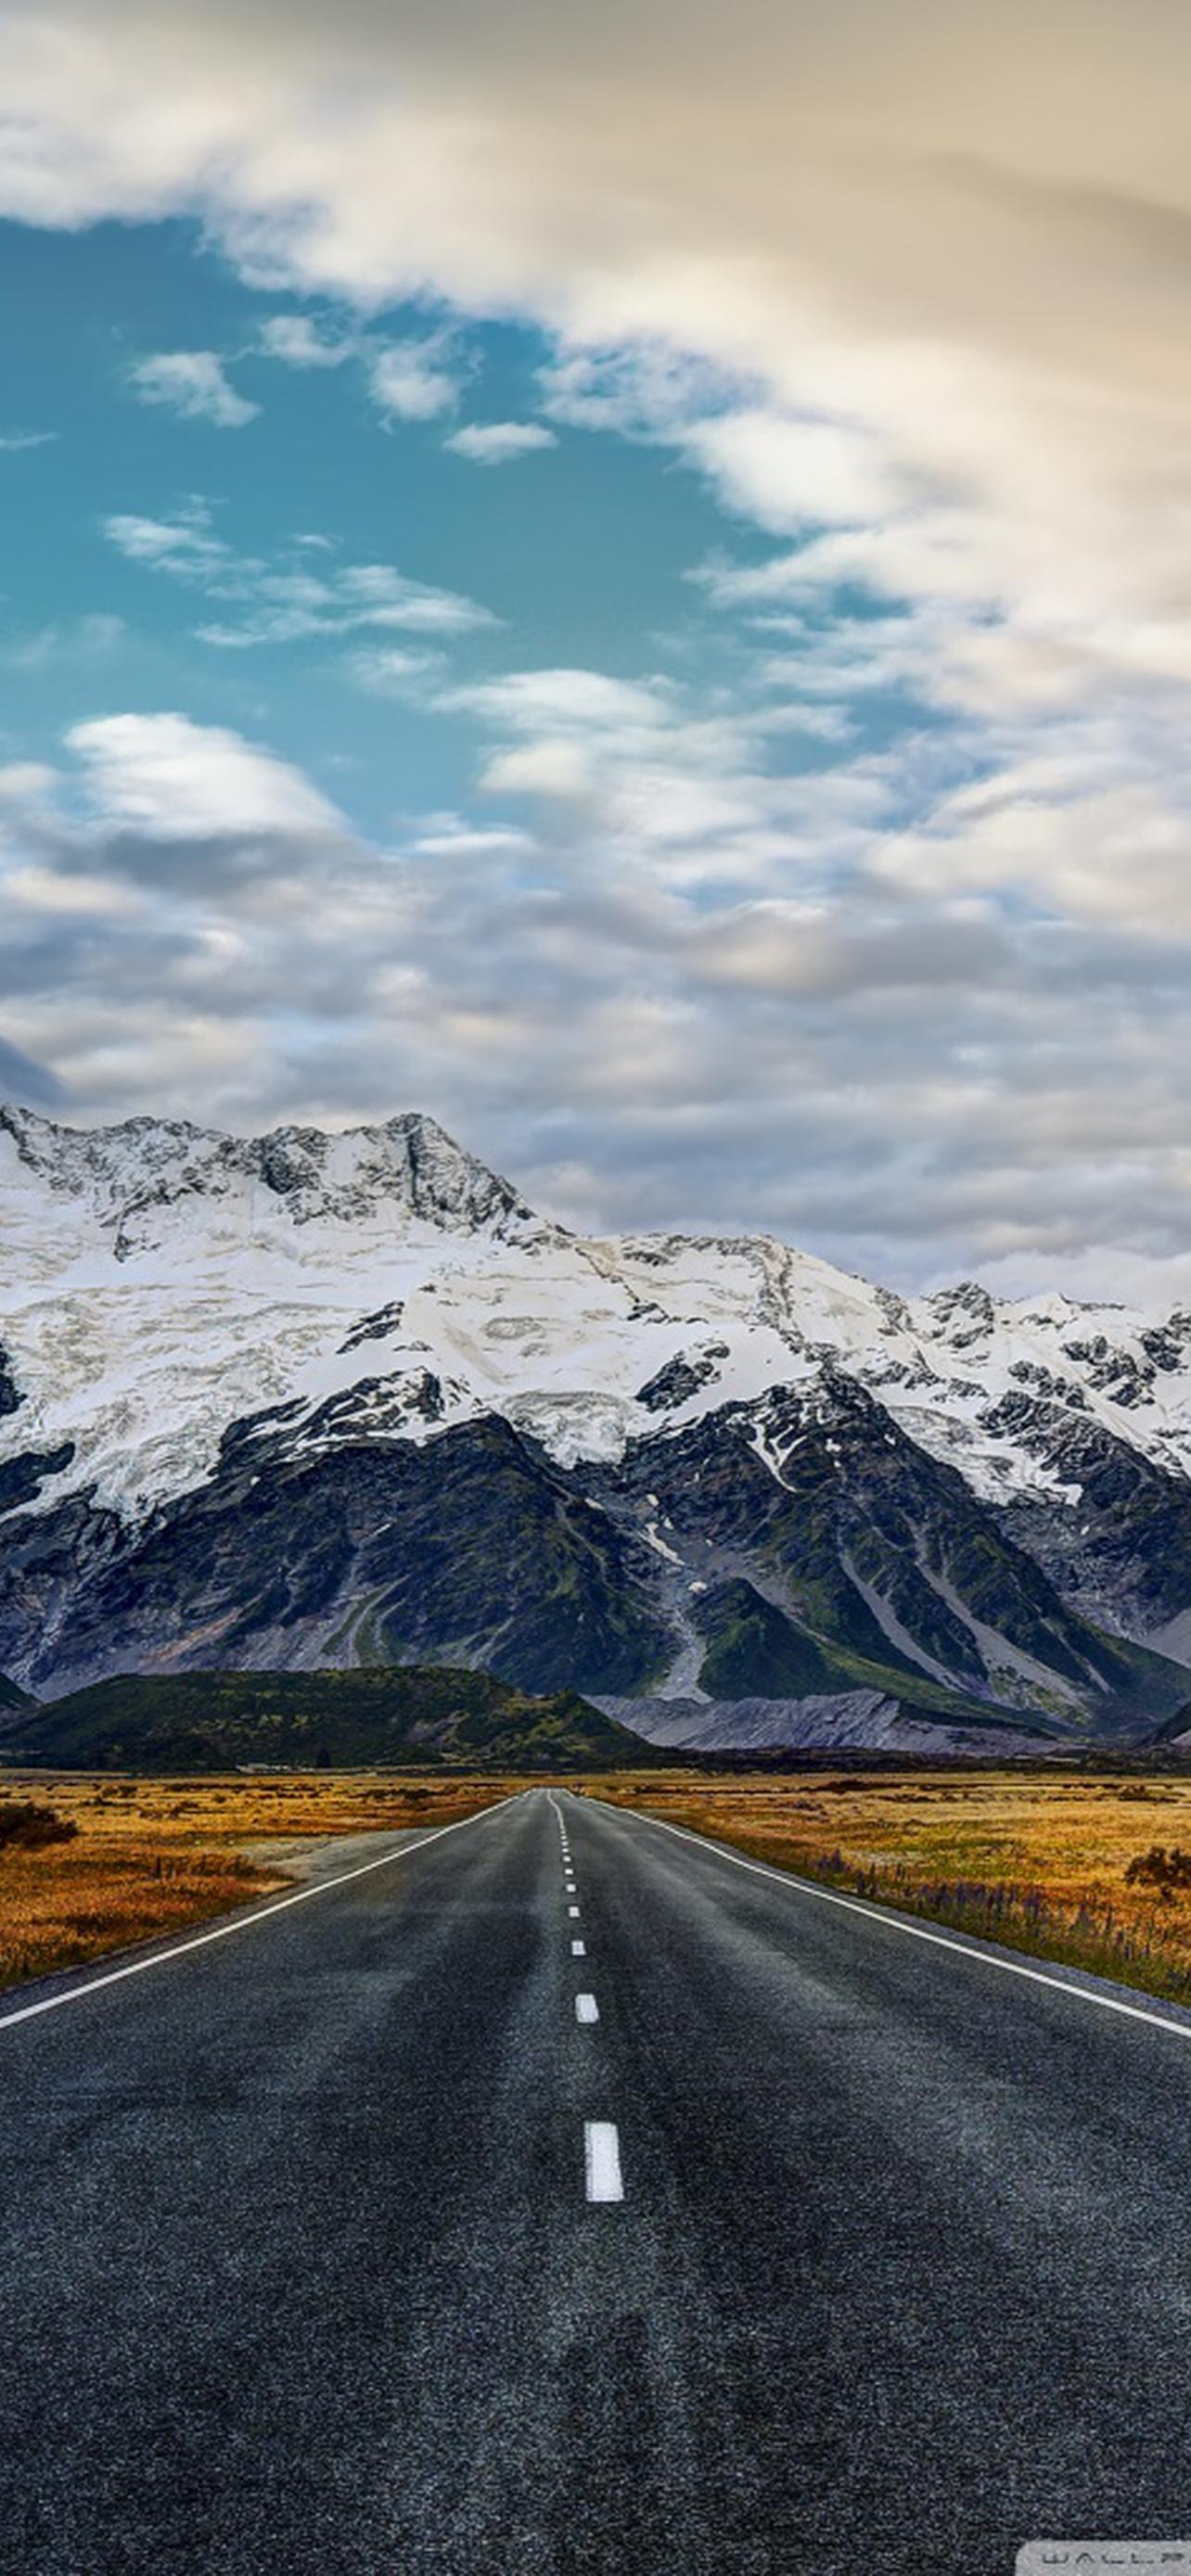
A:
x,y
310,1398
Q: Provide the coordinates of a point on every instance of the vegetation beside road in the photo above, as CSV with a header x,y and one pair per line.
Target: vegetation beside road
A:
x,y
1088,1868
130,1859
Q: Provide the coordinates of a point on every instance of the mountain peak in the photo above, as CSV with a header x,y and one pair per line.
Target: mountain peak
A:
x,y
131,1188
304,1394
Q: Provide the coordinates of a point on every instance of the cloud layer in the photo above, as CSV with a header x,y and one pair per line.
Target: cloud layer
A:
x,y
190,919
882,938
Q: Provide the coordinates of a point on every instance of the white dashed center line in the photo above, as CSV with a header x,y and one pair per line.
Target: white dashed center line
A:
x,y
573,1911
586,2008
578,1949
601,2156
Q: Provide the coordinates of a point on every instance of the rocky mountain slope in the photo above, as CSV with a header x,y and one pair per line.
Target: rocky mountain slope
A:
x,y
308,1400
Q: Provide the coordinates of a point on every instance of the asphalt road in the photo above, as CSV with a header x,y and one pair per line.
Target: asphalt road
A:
x,y
300,2269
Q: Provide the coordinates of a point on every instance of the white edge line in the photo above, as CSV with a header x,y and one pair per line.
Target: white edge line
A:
x,y
245,1922
984,1958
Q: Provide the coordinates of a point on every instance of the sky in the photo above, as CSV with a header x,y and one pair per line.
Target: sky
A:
x,y
623,579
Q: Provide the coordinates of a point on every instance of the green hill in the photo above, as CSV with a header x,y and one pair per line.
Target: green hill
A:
x,y
405,1715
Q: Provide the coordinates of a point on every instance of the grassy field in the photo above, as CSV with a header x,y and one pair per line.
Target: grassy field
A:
x,y
150,1856
1089,1869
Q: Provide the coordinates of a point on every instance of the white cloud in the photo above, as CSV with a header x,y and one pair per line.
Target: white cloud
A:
x,y
376,595
961,312
297,342
192,383
591,700
177,781
672,792
288,600
496,442
908,289
555,769
413,379
186,546
1080,832
190,920
25,782
416,378
391,671
785,472
14,441
52,891
644,388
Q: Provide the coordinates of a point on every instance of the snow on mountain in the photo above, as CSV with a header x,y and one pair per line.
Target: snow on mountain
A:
x,y
178,1305
74,1200
161,1281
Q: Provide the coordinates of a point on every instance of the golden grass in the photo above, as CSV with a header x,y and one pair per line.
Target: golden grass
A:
x,y
1035,1860
151,1856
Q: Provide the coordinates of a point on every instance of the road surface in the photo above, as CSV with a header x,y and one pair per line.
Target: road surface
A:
x,y
755,2237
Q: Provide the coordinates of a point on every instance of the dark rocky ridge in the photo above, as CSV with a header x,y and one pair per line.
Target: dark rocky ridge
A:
x,y
868,1567
387,1415
220,1721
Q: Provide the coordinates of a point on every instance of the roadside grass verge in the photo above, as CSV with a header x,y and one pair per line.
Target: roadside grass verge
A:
x,y
1082,1868
127,1860
1088,1871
